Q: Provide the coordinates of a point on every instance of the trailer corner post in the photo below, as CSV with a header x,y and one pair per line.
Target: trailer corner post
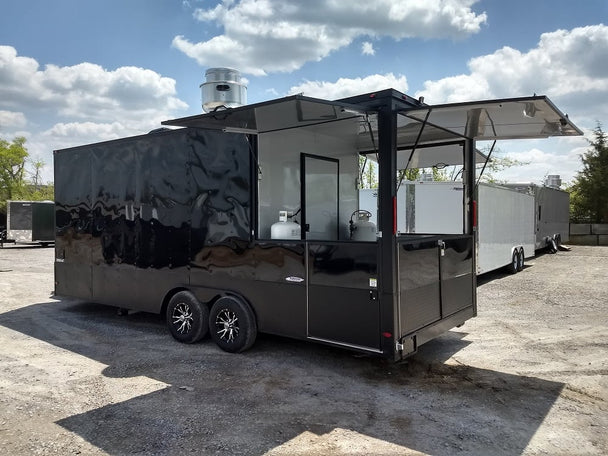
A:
x,y
471,206
387,193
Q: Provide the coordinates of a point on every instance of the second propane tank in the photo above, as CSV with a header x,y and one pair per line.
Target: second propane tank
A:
x,y
284,228
362,229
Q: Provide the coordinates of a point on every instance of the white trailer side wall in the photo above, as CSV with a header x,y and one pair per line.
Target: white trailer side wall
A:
x,y
505,219
422,207
438,207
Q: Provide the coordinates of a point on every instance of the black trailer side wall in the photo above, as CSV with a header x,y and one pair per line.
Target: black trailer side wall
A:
x,y
131,214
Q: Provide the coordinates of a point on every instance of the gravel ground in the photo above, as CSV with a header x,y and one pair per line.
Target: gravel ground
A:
x,y
527,376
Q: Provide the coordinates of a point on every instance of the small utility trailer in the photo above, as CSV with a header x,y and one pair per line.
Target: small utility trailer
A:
x,y
239,221
30,222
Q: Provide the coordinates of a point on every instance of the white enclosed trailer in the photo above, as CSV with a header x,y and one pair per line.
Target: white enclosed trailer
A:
x,y
552,212
505,228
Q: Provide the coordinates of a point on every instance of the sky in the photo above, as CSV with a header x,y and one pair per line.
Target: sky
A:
x,y
76,72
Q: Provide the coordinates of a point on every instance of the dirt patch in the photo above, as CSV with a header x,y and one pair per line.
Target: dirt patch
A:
x,y
528,375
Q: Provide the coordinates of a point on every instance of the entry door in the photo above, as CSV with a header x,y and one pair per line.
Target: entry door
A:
x,y
320,203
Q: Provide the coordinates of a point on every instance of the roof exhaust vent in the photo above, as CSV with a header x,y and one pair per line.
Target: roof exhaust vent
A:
x,y
223,87
553,181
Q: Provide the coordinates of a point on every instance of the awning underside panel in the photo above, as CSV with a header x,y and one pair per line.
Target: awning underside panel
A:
x,y
518,118
435,156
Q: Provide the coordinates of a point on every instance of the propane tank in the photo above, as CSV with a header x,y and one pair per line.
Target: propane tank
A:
x,y
362,229
285,229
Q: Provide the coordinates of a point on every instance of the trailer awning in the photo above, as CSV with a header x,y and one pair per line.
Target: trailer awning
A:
x,y
513,118
437,156
280,114
443,126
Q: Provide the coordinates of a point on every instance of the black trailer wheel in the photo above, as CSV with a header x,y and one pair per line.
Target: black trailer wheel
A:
x,y
520,260
187,318
514,262
232,324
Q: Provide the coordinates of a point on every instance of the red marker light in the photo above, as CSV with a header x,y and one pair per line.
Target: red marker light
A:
x,y
387,334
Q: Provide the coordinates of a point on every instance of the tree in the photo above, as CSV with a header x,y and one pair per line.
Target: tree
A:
x,y
496,164
589,192
13,172
368,174
12,169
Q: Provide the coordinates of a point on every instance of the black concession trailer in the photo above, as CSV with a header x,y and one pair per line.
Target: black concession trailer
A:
x,y
238,222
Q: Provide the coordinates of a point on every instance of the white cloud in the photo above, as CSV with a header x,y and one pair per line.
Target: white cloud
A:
x,y
367,48
40,145
85,91
89,97
12,119
570,65
262,36
345,87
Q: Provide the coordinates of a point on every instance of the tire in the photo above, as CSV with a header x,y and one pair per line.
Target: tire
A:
x,y
512,268
187,318
520,260
232,324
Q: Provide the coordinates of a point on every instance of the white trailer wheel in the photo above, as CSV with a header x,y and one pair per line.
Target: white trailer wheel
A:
x,y
513,266
520,260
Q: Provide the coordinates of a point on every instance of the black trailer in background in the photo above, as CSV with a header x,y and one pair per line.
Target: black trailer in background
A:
x,y
181,221
30,222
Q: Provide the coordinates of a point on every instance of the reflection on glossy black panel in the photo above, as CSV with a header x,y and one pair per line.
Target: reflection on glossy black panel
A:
x,y
146,201
344,264
220,174
418,263
273,262
458,259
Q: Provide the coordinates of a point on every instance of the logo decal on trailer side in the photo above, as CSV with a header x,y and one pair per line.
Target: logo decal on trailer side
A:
x,y
294,279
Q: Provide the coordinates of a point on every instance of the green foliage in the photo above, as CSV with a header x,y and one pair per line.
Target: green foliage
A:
x,y
496,164
368,169
13,182
12,167
589,191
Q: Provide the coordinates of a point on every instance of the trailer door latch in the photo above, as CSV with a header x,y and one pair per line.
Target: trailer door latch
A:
x,y
441,245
